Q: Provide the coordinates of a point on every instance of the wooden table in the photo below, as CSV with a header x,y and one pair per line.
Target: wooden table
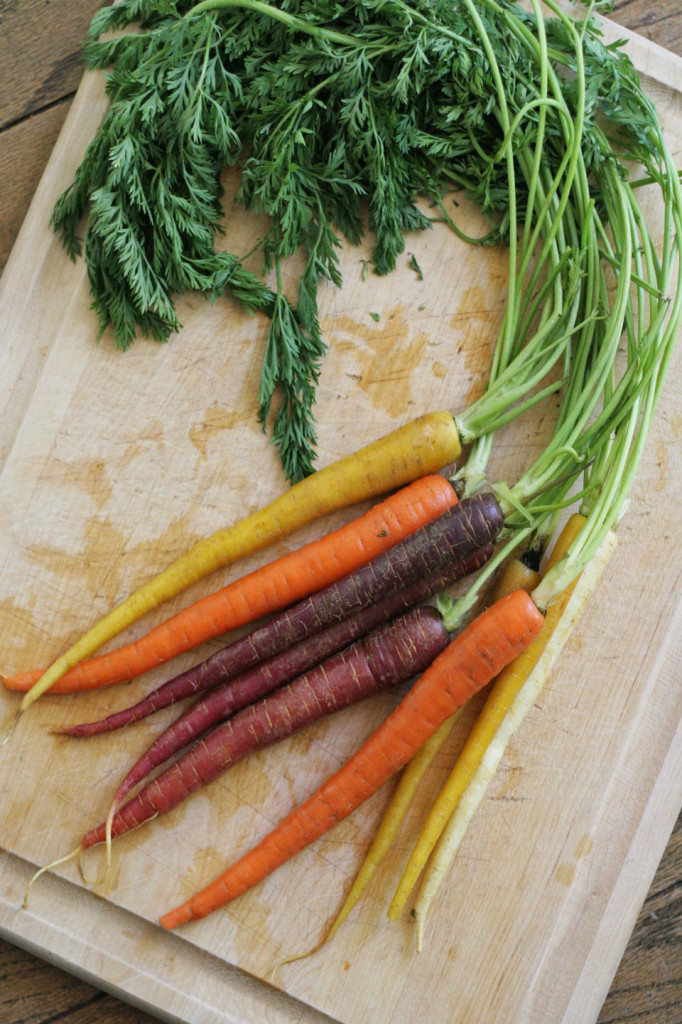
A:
x,y
39,69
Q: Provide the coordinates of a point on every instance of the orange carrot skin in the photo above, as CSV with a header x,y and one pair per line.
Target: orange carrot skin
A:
x,y
473,658
266,590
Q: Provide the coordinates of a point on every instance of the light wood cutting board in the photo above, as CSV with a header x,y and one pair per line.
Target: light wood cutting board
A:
x,y
112,464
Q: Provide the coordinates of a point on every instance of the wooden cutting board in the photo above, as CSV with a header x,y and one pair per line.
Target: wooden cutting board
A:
x,y
112,464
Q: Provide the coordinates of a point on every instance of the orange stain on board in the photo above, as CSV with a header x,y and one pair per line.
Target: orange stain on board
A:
x,y
21,632
661,449
478,321
387,382
565,874
107,566
676,427
510,774
584,846
216,420
90,476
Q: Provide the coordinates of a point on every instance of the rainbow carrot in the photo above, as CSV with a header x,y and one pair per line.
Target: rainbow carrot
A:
x,y
423,446
503,693
269,589
448,540
477,654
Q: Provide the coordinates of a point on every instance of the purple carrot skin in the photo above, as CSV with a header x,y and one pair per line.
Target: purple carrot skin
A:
x,y
447,540
392,654
227,698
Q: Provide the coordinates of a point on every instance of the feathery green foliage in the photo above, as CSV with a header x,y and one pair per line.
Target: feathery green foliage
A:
x,y
343,114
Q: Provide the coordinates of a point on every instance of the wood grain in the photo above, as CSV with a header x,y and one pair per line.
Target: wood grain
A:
x,y
33,992
657,20
27,145
52,33
647,987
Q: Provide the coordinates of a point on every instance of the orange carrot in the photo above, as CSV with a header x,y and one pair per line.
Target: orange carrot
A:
x,y
274,586
473,658
424,446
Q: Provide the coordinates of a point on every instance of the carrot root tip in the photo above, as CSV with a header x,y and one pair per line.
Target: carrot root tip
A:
x,y
8,729
48,867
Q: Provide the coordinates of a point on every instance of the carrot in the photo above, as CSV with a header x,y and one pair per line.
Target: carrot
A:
x,y
448,540
477,654
504,690
522,702
226,699
388,829
517,575
423,446
267,590
389,655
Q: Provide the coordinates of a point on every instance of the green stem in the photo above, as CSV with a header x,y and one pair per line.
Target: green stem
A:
x,y
290,20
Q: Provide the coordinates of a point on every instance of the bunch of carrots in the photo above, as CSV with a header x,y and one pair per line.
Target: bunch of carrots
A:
x,y
346,612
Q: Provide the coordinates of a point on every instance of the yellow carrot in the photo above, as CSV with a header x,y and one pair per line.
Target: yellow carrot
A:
x,y
515,576
504,690
393,818
423,446
387,831
524,700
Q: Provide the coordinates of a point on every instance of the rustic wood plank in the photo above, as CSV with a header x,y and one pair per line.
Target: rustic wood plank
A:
x,y
24,150
647,988
34,992
659,21
40,53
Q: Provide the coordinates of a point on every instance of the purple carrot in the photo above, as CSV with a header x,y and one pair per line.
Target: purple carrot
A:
x,y
390,655
225,699
449,539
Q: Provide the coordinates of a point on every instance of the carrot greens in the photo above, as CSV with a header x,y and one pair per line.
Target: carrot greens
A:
x,y
332,110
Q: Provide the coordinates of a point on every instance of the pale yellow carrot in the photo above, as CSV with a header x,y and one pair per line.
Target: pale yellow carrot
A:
x,y
472,796
387,831
516,575
503,692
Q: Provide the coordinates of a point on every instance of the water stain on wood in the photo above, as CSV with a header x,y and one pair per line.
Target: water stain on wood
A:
x,y
510,774
391,352
105,560
477,321
661,449
216,419
584,846
254,930
20,631
565,874
90,476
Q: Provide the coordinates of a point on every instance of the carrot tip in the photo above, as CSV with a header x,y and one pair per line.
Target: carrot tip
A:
x,y
8,729
48,867
180,915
